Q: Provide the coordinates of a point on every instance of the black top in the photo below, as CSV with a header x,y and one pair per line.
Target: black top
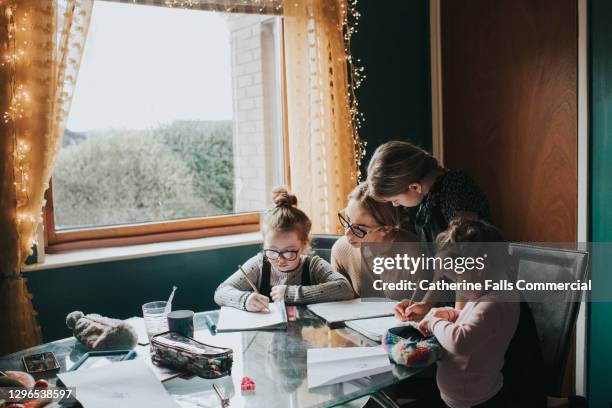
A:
x,y
451,193
266,272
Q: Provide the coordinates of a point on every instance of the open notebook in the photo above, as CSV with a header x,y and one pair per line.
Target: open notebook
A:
x,y
327,366
336,313
376,328
232,319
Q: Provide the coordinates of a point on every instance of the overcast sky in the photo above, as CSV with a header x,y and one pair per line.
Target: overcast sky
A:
x,y
144,66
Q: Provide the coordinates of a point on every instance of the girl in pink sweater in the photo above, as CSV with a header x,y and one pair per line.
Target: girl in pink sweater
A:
x,y
476,337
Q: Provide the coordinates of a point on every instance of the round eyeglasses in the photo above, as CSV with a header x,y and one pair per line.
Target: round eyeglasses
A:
x,y
274,255
359,232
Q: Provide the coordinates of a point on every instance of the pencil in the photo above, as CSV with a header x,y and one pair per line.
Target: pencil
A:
x,y
247,279
411,300
250,283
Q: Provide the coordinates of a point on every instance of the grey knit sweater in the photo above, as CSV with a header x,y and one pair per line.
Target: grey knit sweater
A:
x,y
327,284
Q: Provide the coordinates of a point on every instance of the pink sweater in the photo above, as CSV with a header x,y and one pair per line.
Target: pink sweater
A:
x,y
475,341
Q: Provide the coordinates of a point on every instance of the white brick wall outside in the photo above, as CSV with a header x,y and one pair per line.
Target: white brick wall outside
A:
x,y
254,166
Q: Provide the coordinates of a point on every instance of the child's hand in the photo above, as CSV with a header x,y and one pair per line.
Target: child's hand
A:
x,y
417,310
400,309
442,313
257,303
437,312
423,326
277,293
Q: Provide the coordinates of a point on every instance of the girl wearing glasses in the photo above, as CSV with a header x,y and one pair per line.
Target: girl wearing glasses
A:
x,y
365,220
284,270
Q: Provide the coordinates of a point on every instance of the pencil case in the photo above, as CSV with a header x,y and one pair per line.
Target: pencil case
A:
x,y
175,350
405,345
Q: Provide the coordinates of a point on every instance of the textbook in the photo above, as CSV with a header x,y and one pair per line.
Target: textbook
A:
x,y
336,313
376,328
232,319
327,366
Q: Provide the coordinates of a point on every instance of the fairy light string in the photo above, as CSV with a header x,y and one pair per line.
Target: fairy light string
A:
x,y
17,110
356,76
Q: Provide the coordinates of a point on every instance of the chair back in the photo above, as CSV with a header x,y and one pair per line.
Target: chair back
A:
x,y
555,317
322,245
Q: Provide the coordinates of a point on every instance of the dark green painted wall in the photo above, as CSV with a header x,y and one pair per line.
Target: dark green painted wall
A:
x,y
393,44
600,352
118,289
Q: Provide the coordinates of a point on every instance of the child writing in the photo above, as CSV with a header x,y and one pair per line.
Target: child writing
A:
x,y
475,338
283,271
406,175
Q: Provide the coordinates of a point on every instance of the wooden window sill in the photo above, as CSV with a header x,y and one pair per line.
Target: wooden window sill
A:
x,y
99,255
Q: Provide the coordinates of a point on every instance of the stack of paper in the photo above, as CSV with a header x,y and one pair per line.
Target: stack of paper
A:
x,y
376,328
126,384
335,365
335,313
232,319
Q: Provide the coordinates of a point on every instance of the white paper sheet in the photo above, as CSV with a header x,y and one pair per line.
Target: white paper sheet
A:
x,y
124,384
232,319
335,365
334,312
376,328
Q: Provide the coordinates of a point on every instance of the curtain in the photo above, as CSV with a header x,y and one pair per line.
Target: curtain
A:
x,y
227,6
320,133
42,42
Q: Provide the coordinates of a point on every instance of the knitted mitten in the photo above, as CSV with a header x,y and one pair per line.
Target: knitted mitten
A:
x,y
101,333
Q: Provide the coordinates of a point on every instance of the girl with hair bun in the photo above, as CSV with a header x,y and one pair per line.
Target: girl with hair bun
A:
x,y
284,270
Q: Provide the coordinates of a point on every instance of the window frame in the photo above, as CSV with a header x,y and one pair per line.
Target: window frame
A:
x,y
173,230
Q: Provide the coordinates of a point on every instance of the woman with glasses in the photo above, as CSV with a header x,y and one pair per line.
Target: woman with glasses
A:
x,y
365,220
284,270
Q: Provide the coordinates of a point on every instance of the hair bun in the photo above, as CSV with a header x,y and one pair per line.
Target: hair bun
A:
x,y
282,198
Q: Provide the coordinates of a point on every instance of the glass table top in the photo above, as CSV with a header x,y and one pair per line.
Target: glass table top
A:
x,y
275,360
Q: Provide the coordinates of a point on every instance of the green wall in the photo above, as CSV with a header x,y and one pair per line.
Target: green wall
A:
x,y
393,44
118,289
600,358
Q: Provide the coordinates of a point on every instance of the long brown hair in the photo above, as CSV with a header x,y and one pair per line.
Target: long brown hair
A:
x,y
395,165
383,213
285,216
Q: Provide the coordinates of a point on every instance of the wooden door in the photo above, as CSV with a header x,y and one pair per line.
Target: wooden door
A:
x,y
509,88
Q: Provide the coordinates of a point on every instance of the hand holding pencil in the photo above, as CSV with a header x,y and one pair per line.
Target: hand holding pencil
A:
x,y
256,302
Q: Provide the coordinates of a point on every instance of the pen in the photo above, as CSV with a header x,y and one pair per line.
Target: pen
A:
x,y
211,326
250,283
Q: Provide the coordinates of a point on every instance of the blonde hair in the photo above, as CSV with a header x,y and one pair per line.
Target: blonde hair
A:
x,y
284,216
383,213
395,165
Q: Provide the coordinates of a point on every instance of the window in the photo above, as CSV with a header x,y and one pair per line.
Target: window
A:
x,y
175,128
